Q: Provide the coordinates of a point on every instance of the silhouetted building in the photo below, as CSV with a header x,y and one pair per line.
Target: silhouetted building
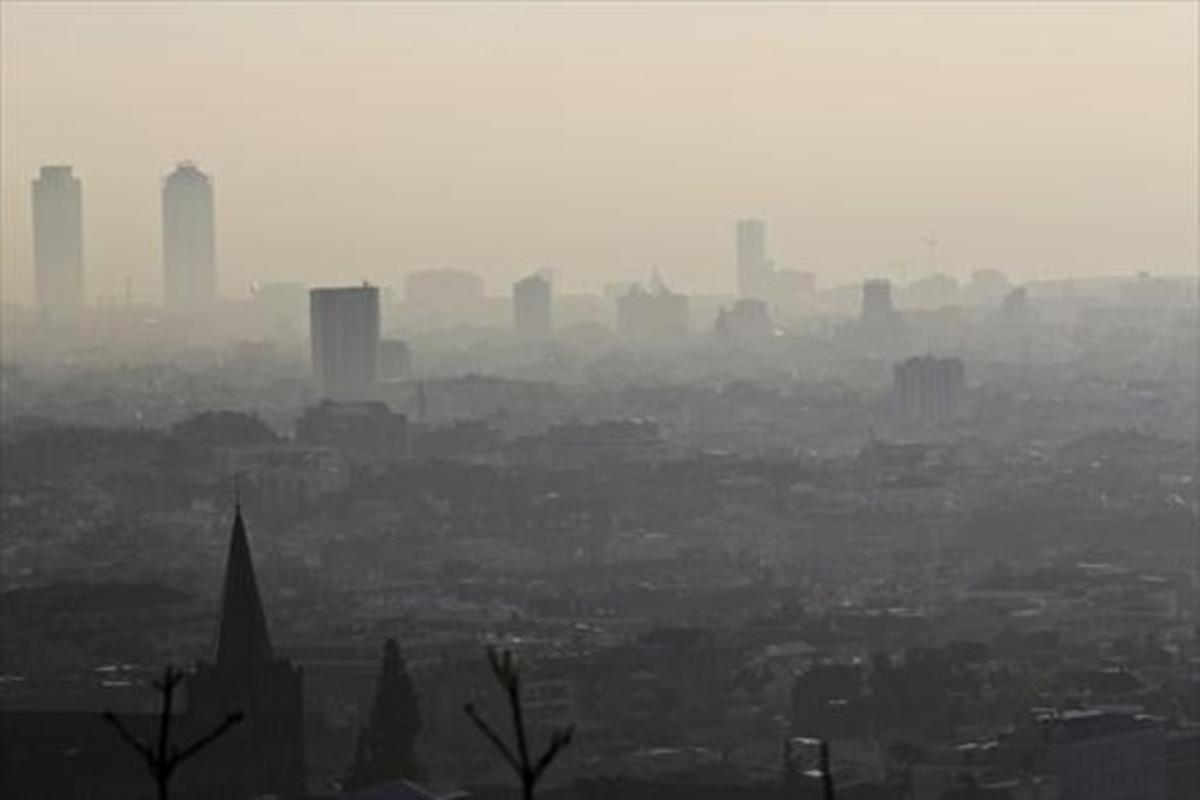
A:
x,y
365,429
928,389
58,238
655,313
344,329
56,755
878,313
189,248
532,308
264,755
754,271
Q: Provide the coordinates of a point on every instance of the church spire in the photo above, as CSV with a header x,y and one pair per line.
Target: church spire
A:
x,y
242,639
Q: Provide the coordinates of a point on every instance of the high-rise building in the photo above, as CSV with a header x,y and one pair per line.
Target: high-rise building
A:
x,y
344,329
189,260
928,389
532,308
58,238
754,271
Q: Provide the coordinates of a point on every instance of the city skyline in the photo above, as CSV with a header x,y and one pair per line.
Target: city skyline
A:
x,y
840,130
580,400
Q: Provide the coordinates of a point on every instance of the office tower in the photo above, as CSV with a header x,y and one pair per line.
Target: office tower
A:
x,y
189,263
344,328
531,308
58,238
754,271
929,390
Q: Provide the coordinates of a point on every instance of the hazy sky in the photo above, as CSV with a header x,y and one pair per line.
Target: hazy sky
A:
x,y
360,141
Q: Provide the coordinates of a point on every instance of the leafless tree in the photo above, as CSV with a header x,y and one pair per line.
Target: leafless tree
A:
x,y
163,758
528,769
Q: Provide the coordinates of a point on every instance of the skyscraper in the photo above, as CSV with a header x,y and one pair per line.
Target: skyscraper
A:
x,y
344,328
58,238
189,262
532,308
753,268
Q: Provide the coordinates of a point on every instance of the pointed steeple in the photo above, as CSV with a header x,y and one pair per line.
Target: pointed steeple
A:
x,y
242,639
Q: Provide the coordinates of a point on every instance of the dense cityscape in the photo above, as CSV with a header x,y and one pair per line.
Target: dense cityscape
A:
x,y
931,534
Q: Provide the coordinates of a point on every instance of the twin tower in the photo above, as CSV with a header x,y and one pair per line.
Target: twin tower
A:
x,y
189,263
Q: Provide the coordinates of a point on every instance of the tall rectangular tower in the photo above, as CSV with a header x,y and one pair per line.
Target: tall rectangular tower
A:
x,y
189,241
532,308
58,238
344,327
753,269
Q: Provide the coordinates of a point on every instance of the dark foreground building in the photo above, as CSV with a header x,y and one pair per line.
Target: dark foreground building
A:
x,y
76,755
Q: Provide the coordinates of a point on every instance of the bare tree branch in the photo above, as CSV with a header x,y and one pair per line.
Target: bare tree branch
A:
x,y
131,740
207,739
504,668
165,758
558,740
492,736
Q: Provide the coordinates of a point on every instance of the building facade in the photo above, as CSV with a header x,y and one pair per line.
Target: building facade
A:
x,y
344,332
58,238
532,308
929,390
189,239
754,271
